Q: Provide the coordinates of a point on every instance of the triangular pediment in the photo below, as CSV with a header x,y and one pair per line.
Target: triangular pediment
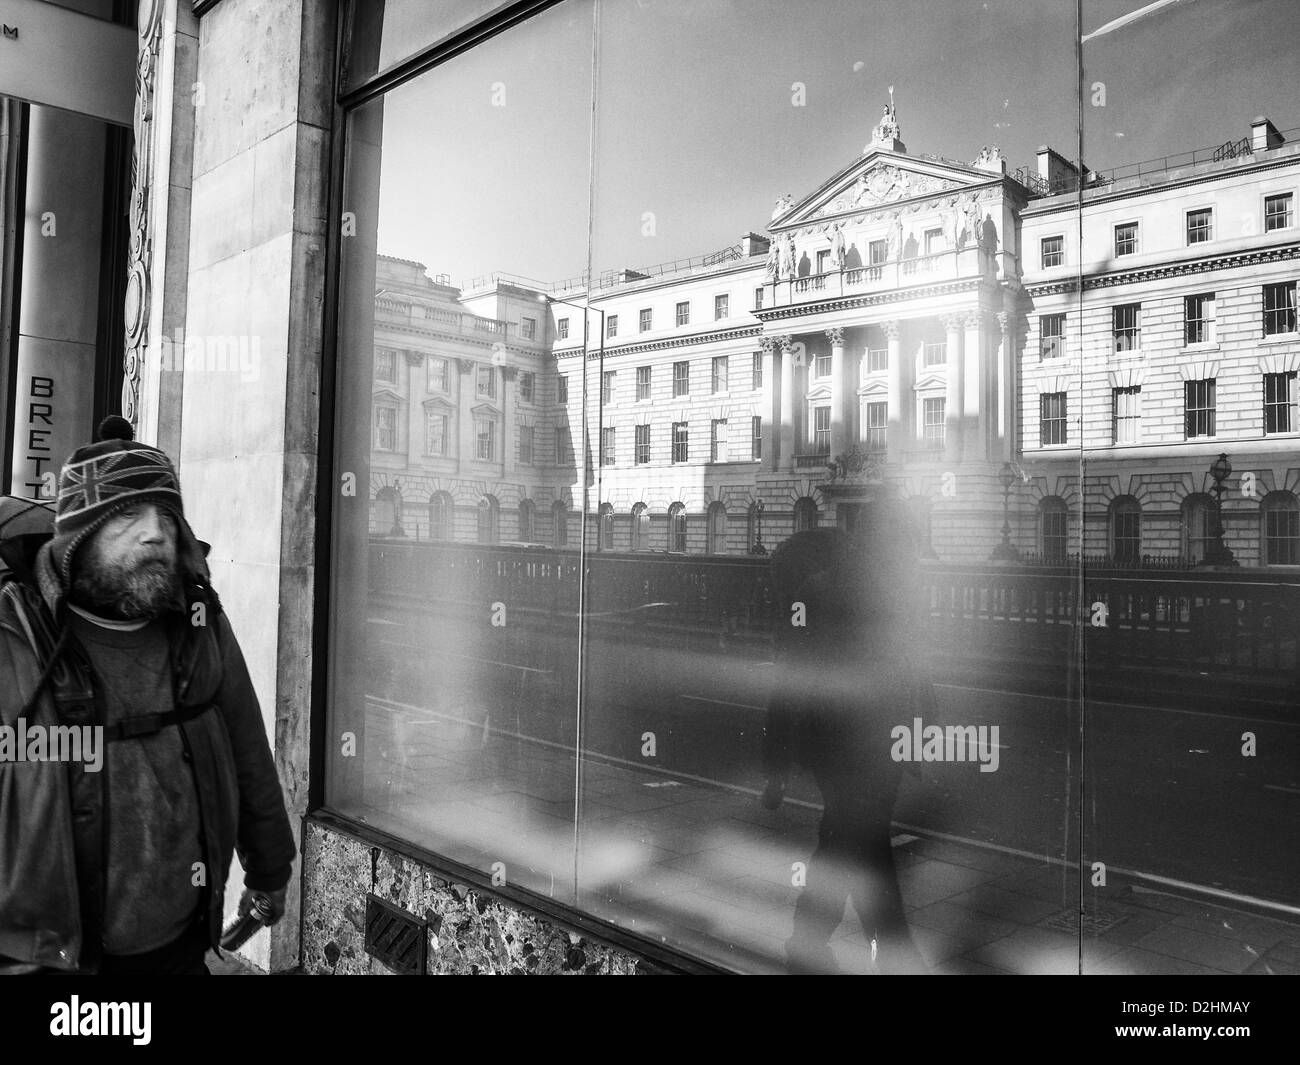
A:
x,y
819,391
879,179
485,410
930,379
387,395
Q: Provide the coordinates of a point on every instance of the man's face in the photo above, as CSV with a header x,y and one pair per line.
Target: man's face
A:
x,y
127,569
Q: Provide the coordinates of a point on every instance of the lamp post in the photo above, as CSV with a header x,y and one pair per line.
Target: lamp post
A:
x,y
1005,551
1219,554
600,413
758,548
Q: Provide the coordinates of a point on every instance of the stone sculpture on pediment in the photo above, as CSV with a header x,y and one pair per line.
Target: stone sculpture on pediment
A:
x,y
788,266
773,266
837,247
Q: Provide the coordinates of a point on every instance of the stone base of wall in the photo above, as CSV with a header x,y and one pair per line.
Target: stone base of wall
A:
x,y
471,931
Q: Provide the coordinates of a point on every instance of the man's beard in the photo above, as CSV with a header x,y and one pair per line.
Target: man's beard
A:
x,y
127,591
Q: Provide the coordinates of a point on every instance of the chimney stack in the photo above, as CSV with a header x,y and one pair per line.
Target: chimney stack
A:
x,y
1264,135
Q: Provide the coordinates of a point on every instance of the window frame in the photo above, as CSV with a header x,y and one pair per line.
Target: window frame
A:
x,y
645,319
681,314
721,306
720,375
1285,406
1133,332
644,383
1133,239
1208,331
1118,418
1200,408
681,378
1208,228
1058,253
1051,351
681,442
1283,315
641,444
1053,419
1288,215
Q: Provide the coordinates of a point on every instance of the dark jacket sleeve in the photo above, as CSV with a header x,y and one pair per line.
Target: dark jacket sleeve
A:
x,y
264,839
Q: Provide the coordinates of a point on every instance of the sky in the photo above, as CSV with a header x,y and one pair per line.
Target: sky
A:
x,y
705,111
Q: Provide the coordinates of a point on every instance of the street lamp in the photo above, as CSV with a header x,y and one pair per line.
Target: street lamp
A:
x,y
600,414
1219,554
1005,551
758,548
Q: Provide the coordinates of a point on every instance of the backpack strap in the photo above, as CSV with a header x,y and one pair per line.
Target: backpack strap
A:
x,y
147,724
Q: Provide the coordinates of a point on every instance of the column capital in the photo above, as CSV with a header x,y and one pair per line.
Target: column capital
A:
x,y
414,358
509,372
977,318
835,335
466,365
786,340
891,328
953,323
1006,321
767,344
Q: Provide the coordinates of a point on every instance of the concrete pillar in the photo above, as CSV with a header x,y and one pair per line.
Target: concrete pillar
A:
x,y
975,387
1005,428
414,409
839,424
952,325
509,374
464,415
769,408
787,403
896,433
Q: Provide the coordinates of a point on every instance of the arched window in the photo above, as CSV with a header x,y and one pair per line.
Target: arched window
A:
x,y
607,526
527,521
677,527
442,510
1280,532
717,526
388,512
489,520
1053,535
1197,526
1125,530
805,514
560,523
640,528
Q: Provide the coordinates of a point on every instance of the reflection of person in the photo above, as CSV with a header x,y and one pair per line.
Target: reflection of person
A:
x,y
134,882
845,680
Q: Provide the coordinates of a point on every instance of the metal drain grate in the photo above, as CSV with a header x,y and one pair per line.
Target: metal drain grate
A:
x,y
395,937
1093,923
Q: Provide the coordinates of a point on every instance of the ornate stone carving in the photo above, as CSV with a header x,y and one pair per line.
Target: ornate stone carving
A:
x,y
787,343
856,467
414,358
466,365
140,246
836,336
767,344
885,183
890,329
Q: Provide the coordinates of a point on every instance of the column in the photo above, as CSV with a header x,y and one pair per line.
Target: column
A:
x,y
414,408
896,433
787,403
465,416
768,409
839,434
975,389
508,375
952,324
1004,439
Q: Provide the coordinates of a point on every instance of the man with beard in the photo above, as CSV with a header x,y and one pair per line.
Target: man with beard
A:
x,y
130,876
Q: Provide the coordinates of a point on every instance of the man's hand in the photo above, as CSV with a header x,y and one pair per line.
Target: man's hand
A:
x,y
271,907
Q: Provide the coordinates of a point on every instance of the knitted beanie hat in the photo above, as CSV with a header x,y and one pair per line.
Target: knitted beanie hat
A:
x,y
103,478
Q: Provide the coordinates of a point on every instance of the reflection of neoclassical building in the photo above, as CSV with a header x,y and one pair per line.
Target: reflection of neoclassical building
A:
x,y
913,329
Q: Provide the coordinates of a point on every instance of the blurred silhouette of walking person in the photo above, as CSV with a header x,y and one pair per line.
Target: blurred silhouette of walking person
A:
x,y
845,676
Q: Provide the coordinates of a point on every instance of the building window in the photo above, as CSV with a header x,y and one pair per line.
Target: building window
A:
x,y
877,360
878,252
607,446
876,426
1126,414
717,529
677,528
719,373
934,353
1280,402
642,442
386,366
1126,239
646,319
681,379
1195,514
681,442
560,523
562,328
1279,308
932,422
821,431
756,372
1052,251
441,513
1053,538
1126,326
756,438
605,524
527,521
1277,212
718,440
439,378
683,315
1198,404
805,514
385,428
1198,319
823,261
1051,336
435,434
1125,530
607,386
1051,419
640,527
822,364
933,241
563,446
642,383
526,436
485,436
528,328
721,305
1280,515
758,298
489,520
562,391
1200,226
527,382
487,381
611,326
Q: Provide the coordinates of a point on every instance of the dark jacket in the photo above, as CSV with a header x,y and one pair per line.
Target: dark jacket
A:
x,y
52,830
